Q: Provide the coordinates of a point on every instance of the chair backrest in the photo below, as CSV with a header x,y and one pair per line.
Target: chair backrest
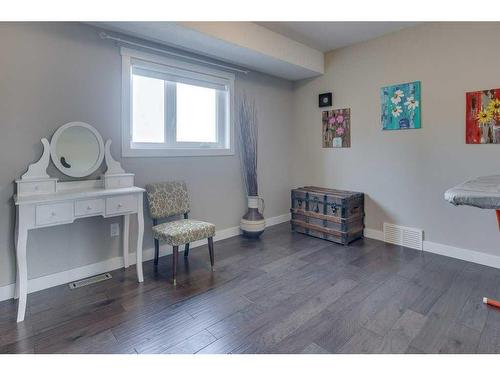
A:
x,y
167,199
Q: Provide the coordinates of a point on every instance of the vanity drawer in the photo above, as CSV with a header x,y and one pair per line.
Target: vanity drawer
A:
x,y
89,207
121,204
36,187
54,213
119,181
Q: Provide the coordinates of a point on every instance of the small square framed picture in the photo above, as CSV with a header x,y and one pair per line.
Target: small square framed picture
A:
x,y
325,100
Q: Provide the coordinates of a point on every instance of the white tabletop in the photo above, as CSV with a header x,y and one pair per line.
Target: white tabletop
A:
x,y
75,194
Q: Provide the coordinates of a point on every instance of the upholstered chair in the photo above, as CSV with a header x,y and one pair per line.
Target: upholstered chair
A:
x,y
169,199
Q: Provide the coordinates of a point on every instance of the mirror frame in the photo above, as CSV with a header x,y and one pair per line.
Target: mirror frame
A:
x,y
53,149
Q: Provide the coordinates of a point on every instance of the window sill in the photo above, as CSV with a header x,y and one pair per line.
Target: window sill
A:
x,y
128,152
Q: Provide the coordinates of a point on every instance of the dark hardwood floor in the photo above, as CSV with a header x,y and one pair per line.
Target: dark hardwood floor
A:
x,y
284,293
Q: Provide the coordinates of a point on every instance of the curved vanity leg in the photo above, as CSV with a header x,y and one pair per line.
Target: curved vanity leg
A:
x,y
126,231
22,272
140,235
16,234
16,289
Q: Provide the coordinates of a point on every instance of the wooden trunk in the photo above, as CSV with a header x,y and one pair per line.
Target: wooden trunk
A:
x,y
333,215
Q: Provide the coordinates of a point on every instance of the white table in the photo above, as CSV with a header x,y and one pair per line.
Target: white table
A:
x,y
71,201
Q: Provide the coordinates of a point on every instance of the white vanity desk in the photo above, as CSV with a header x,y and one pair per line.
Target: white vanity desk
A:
x,y
42,201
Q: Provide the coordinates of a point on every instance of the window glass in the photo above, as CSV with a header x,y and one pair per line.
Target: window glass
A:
x,y
196,114
148,110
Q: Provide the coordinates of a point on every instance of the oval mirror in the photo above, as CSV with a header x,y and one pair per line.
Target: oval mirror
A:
x,y
77,149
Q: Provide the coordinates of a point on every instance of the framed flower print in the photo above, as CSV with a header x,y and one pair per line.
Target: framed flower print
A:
x,y
337,128
400,106
482,117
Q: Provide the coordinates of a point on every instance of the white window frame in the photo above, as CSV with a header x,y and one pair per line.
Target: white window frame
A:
x,y
182,72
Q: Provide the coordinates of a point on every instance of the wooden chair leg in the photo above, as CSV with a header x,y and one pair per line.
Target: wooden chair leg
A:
x,y
211,251
175,256
157,251
186,250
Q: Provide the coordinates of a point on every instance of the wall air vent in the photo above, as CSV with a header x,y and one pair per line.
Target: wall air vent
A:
x,y
404,236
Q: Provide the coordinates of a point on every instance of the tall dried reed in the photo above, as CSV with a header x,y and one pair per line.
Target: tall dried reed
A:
x,y
248,135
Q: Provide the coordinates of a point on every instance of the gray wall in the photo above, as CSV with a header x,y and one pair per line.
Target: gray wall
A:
x,y
51,74
405,173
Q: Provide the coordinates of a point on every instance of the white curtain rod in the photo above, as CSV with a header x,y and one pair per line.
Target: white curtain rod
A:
x,y
103,35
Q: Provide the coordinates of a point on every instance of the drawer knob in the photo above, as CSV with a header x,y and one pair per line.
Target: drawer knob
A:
x,y
53,214
89,208
120,205
36,187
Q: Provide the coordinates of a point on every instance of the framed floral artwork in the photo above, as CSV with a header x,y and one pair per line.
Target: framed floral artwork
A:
x,y
337,128
400,106
482,117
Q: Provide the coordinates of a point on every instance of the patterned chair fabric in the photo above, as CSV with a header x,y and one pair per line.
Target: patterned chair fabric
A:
x,y
180,232
167,199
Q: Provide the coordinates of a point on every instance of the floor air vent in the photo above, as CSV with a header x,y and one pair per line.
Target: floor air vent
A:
x,y
90,280
404,236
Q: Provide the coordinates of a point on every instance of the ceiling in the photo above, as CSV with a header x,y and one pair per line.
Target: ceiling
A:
x,y
289,50
326,36
244,44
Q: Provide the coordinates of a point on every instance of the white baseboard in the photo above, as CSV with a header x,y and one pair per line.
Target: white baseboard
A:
x,y
446,250
278,219
374,234
6,292
48,281
463,254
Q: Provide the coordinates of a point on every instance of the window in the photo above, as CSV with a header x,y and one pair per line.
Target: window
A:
x,y
173,108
